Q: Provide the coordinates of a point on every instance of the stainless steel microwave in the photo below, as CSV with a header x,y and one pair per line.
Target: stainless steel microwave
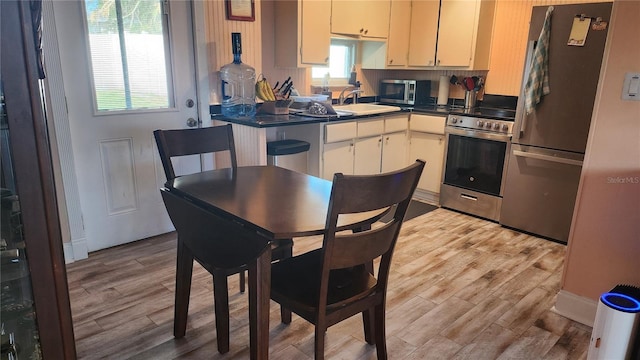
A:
x,y
406,92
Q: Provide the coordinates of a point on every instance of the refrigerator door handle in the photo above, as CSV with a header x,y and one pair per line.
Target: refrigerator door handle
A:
x,y
547,158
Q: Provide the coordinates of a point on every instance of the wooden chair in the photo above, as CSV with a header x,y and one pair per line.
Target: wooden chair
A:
x,y
173,143
328,285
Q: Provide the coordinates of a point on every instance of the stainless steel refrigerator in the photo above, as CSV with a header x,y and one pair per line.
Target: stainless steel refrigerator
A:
x,y
548,144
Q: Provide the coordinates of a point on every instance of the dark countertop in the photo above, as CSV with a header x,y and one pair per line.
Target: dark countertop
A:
x,y
266,120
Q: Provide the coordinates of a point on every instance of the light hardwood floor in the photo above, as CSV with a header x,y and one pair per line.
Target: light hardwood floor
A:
x,y
460,288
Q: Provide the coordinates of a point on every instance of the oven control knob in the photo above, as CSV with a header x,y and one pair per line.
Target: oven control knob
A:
x,y
454,119
496,126
488,125
480,123
505,127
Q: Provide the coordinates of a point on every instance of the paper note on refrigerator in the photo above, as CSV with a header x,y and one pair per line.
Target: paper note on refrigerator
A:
x,y
579,31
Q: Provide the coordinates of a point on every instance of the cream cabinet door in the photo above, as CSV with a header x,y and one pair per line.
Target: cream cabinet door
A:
x,y
315,31
399,30
337,158
361,18
304,38
455,34
424,33
430,148
368,153
376,18
394,151
346,17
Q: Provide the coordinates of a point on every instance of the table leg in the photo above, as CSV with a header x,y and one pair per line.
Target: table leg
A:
x,y
184,270
259,298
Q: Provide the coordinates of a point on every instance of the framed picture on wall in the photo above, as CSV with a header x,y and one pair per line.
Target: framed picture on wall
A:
x,y
241,10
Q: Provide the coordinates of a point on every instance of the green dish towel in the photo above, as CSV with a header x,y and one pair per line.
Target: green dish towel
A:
x,y
538,82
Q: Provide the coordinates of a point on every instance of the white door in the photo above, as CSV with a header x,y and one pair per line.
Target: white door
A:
x,y
117,166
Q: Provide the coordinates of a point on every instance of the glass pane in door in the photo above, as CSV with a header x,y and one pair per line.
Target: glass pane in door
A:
x,y
128,44
18,329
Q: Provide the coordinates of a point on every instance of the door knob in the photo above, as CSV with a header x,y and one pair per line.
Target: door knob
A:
x,y
191,122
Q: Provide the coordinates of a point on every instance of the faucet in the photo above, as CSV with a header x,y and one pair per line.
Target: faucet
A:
x,y
356,90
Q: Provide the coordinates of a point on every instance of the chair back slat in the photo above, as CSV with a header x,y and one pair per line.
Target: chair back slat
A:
x,y
214,241
365,193
352,194
359,248
181,142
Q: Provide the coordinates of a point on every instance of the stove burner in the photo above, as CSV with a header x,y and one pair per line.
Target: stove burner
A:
x,y
490,113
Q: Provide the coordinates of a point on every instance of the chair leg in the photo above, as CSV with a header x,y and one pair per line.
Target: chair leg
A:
x,y
285,315
242,281
319,342
184,271
221,306
369,325
381,344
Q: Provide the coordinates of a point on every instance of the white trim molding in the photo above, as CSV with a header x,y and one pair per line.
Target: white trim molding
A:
x,y
577,308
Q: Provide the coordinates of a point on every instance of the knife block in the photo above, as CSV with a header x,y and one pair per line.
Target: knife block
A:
x,y
278,107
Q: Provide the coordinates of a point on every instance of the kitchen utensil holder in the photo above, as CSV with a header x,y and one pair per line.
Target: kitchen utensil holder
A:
x,y
470,98
278,107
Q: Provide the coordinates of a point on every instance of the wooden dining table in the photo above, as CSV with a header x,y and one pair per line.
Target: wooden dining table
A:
x,y
273,202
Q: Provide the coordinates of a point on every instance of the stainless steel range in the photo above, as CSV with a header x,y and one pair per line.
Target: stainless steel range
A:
x,y
478,142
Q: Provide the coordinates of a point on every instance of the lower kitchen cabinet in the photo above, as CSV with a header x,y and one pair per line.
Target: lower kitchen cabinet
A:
x,y
368,153
376,145
337,157
394,151
427,142
430,148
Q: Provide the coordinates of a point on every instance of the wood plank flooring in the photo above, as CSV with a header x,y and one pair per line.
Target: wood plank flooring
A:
x,y
460,288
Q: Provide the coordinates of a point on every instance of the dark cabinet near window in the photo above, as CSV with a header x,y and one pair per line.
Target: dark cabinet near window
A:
x,y
34,298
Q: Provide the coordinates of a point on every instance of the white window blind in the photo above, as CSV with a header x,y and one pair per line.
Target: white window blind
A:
x,y
128,44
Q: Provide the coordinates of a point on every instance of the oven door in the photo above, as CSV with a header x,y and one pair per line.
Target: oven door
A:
x,y
475,160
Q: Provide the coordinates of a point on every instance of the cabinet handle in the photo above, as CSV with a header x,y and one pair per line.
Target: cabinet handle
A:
x,y
366,31
391,61
361,30
438,62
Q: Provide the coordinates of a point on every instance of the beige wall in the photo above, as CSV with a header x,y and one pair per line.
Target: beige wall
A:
x,y
219,51
604,244
509,43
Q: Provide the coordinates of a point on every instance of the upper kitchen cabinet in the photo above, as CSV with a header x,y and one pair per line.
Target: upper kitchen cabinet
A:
x,y
463,34
424,33
302,32
366,19
399,30
444,34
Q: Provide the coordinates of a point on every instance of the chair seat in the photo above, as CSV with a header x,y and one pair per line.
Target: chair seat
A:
x,y
296,282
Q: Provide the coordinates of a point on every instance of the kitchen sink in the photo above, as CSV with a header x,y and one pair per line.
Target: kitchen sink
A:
x,y
366,109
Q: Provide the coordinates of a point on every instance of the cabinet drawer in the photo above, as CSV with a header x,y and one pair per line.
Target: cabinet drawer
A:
x,y
428,123
340,131
370,127
395,124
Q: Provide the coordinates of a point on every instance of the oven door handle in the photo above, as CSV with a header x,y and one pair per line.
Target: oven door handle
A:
x,y
547,158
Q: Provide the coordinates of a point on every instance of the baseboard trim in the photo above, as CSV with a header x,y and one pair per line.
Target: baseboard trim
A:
x,y
577,308
75,250
427,196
